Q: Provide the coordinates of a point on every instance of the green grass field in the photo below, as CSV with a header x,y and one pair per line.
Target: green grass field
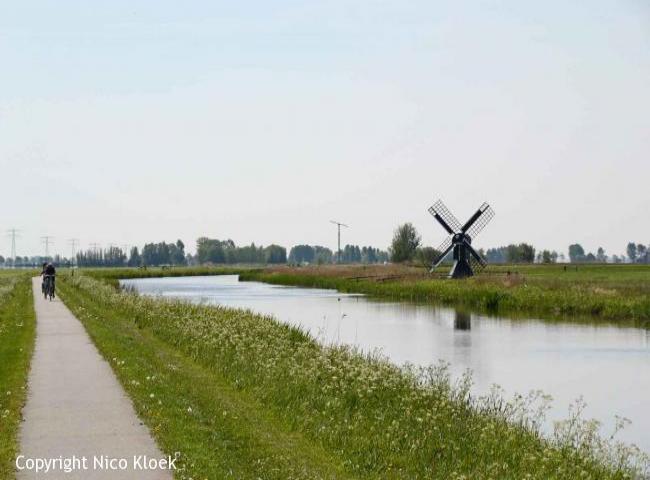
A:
x,y
17,327
612,292
243,396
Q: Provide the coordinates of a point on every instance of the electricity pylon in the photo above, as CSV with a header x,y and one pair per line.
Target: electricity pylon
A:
x,y
13,233
74,243
47,240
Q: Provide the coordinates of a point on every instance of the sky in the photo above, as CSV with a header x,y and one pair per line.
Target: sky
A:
x,y
126,122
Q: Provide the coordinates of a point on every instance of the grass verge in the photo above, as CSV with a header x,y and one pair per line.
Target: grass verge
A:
x,y
243,396
17,332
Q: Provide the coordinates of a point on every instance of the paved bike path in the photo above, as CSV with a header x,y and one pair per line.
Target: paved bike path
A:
x,y
75,405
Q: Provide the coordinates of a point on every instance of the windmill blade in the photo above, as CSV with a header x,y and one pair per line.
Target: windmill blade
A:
x,y
475,256
478,221
445,248
441,213
477,267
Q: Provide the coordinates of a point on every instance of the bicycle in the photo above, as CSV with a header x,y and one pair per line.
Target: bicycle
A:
x,y
48,286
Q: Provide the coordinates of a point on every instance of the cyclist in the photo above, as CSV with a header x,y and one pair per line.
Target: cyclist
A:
x,y
49,271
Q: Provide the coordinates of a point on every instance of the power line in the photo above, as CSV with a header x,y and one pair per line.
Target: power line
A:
x,y
339,225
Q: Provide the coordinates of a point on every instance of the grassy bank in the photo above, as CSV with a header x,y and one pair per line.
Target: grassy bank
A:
x,y
243,396
112,275
611,292
17,327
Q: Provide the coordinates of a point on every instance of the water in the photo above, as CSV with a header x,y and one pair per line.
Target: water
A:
x,y
607,365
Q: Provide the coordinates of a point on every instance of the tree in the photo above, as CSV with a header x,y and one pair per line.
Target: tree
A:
x,y
405,242
631,251
425,256
641,253
302,254
134,259
209,250
576,253
600,255
547,257
275,254
522,253
322,255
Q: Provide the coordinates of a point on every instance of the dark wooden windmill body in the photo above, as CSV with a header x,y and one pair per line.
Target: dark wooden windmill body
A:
x,y
466,260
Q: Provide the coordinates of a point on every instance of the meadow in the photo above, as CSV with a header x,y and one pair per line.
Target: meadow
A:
x,y
17,330
243,396
612,292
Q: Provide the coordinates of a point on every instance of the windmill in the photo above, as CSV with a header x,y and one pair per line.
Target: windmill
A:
x,y
466,259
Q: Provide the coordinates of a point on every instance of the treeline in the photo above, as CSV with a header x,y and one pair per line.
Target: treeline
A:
x,y
406,246
210,250
636,253
110,257
153,254
520,253
31,262
349,254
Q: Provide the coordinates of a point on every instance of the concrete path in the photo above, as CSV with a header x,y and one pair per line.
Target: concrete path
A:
x,y
75,405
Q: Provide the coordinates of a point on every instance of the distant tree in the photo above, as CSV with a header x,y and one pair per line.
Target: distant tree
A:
x,y
496,255
590,257
616,259
177,253
134,258
641,253
323,255
2,260
631,251
351,254
209,250
405,242
425,256
547,257
576,253
275,254
600,255
302,254
522,253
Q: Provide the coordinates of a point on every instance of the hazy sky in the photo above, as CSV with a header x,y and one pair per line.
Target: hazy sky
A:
x,y
131,121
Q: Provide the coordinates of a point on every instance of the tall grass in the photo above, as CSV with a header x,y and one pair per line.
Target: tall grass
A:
x,y
374,419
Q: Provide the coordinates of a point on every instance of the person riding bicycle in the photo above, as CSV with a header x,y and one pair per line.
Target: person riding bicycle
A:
x,y
48,271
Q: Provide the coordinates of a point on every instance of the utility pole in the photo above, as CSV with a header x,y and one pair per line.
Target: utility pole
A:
x,y
339,225
74,243
13,233
94,246
47,240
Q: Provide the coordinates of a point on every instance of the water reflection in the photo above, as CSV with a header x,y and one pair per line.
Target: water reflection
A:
x,y
463,320
606,364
